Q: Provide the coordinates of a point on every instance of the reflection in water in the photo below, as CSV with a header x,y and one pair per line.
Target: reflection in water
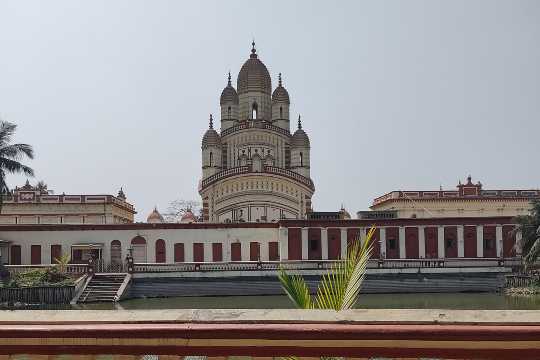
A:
x,y
487,301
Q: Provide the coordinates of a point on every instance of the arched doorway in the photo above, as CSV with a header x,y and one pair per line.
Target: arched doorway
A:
x,y
116,255
160,251
138,244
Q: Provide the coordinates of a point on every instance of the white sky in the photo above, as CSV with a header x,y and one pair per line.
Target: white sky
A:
x,y
393,94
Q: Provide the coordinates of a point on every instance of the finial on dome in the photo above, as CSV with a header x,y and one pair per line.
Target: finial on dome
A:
x,y
253,50
279,79
299,123
229,81
211,122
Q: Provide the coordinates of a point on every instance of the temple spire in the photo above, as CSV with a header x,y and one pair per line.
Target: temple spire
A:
x,y
229,80
299,123
211,122
279,77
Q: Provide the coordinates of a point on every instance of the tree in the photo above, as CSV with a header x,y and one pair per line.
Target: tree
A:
x,y
177,208
339,288
10,155
529,226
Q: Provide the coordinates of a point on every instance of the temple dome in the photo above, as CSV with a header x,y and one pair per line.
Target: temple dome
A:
x,y
188,217
155,217
300,138
211,137
229,94
280,94
254,76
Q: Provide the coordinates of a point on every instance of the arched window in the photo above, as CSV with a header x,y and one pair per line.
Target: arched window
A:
x,y
254,109
211,158
229,112
281,112
301,159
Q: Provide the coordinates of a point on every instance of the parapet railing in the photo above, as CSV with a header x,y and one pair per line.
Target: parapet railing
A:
x,y
74,269
248,169
255,124
320,265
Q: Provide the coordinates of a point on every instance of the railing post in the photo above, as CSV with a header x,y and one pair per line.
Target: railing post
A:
x,y
130,264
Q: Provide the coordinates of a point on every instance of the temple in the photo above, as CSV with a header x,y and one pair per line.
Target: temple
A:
x,y
254,169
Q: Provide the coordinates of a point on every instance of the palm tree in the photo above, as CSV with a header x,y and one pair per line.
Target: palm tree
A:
x,y
10,155
339,288
529,226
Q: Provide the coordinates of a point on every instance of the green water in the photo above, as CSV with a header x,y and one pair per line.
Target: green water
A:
x,y
486,301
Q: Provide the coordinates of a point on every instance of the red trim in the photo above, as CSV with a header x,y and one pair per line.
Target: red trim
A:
x,y
294,331
132,226
497,354
400,222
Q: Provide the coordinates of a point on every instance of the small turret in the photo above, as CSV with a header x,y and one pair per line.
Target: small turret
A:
x,y
211,151
229,105
300,149
280,105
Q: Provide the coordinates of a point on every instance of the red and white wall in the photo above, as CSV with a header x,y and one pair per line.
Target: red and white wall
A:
x,y
287,240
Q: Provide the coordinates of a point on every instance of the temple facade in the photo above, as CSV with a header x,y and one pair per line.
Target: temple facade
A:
x,y
468,200
254,169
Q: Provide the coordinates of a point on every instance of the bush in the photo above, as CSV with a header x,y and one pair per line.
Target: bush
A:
x,y
40,277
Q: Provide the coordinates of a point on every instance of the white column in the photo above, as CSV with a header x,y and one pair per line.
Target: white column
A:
x,y
460,241
226,250
440,242
188,251
422,242
343,243
362,235
479,241
305,243
324,243
518,243
263,250
105,251
244,250
382,239
151,250
207,252
401,240
499,240
283,243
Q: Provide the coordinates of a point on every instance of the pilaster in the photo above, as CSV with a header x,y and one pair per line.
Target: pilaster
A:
x,y
440,242
421,242
460,241
324,243
401,241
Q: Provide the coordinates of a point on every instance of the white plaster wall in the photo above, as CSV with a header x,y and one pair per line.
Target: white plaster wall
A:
x,y
171,236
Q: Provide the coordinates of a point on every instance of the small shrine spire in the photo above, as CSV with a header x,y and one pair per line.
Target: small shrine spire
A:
x,y
279,81
229,79
299,123
211,126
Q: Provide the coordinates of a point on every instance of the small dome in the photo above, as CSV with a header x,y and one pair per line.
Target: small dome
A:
x,y
280,94
300,138
155,217
229,94
254,76
188,218
211,137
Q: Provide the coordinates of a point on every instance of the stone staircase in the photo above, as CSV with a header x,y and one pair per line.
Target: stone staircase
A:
x,y
103,287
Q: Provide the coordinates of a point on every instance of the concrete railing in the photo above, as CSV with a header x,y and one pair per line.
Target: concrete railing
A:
x,y
318,265
366,333
73,269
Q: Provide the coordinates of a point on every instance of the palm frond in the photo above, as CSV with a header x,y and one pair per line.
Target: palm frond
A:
x,y
15,167
296,289
7,130
339,288
17,151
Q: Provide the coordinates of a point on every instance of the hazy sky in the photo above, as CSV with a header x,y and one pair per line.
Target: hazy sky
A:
x,y
393,94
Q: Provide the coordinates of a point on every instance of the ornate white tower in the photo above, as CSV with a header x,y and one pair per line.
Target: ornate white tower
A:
x,y
255,170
